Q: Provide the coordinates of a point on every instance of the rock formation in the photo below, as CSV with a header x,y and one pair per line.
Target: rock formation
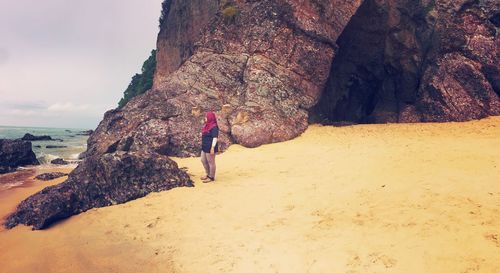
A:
x,y
59,161
15,153
412,61
50,176
267,64
30,137
106,180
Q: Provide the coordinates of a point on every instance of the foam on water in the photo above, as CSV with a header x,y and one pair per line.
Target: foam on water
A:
x,y
75,143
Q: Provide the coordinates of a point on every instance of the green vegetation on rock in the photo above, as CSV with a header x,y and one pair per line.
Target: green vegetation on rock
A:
x,y
140,82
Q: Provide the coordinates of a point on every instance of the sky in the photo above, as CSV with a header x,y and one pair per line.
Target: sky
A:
x,y
63,63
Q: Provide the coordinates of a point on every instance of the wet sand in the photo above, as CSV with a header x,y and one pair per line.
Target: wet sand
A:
x,y
26,185
367,198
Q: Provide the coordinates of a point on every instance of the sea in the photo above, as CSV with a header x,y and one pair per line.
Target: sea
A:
x,y
72,138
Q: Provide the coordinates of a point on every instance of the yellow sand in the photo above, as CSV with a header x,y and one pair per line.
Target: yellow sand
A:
x,y
369,198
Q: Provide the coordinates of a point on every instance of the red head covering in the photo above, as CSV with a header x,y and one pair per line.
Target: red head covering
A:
x,y
210,123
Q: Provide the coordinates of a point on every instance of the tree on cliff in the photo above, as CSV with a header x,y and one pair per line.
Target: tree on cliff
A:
x,y
140,82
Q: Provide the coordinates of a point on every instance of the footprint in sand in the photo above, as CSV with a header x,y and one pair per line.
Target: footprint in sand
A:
x,y
373,259
388,262
493,237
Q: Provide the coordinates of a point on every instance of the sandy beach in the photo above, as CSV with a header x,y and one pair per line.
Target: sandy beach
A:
x,y
365,198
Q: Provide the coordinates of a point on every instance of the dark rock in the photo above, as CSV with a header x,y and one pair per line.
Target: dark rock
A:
x,y
50,176
55,146
15,153
37,146
31,137
85,133
413,61
97,182
59,161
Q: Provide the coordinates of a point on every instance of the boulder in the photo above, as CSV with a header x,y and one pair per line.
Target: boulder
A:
x,y
99,181
15,153
59,161
30,137
50,176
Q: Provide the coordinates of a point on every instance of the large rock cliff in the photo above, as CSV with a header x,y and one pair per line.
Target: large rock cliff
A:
x,y
411,61
265,67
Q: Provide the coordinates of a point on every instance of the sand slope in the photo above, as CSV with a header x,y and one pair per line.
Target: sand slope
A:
x,y
368,198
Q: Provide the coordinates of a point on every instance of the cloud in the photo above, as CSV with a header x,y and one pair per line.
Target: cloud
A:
x,y
67,107
4,55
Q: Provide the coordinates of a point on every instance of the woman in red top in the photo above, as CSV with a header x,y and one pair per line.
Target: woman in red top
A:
x,y
209,146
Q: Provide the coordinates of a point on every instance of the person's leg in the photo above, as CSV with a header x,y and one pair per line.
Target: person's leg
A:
x,y
204,161
211,163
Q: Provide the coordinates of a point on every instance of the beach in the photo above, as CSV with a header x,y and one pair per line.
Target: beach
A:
x,y
363,198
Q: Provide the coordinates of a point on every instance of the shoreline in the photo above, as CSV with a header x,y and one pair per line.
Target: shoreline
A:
x,y
367,198
11,197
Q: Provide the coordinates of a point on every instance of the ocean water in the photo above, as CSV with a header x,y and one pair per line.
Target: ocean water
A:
x,y
75,143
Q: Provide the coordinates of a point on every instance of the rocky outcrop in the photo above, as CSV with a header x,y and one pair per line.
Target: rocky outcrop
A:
x,y
412,61
243,67
181,26
59,161
55,146
100,181
15,153
30,137
50,176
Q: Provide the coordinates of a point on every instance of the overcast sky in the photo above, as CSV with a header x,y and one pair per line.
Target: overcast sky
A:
x,y
63,63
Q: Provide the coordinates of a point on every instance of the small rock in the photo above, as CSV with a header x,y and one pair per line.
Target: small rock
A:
x,y
55,146
50,176
59,161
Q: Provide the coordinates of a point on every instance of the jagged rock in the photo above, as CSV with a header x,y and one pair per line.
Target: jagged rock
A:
x,y
412,61
15,153
178,34
59,161
245,61
30,137
99,181
50,176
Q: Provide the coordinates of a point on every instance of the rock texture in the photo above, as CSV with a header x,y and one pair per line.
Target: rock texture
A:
x,y
260,69
50,176
30,137
412,61
59,161
97,182
15,153
180,28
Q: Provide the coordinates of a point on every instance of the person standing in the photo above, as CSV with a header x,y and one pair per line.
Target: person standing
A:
x,y
209,146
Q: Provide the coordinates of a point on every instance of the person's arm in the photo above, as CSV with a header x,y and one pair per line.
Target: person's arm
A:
x,y
214,142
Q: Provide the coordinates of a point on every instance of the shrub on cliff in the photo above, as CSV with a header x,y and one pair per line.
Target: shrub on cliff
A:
x,y
140,82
